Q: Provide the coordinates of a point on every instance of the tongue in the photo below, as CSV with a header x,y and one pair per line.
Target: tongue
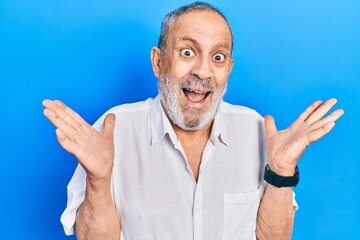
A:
x,y
194,97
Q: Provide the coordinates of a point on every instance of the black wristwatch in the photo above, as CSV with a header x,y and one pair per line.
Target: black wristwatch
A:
x,y
280,181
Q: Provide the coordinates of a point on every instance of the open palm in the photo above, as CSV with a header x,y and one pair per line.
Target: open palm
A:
x,y
284,148
94,150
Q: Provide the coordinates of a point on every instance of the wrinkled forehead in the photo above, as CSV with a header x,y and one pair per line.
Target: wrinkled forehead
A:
x,y
201,24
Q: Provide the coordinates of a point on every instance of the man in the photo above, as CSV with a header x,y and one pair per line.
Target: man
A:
x,y
185,165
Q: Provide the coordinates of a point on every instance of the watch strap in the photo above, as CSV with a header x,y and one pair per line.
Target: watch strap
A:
x,y
281,181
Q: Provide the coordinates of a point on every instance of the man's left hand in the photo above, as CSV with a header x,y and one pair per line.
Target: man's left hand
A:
x,y
284,148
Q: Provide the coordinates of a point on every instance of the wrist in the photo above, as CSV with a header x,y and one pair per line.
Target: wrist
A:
x,y
98,185
282,170
280,180
98,193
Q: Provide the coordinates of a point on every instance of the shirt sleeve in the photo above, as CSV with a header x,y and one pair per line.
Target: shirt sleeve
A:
x,y
295,204
76,195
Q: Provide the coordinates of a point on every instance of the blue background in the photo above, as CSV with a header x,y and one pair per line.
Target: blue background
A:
x,y
95,54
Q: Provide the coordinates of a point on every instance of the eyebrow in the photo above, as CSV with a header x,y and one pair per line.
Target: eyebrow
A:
x,y
220,44
223,45
188,39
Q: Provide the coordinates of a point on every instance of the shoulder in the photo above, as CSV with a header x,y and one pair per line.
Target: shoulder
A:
x,y
129,112
231,110
136,107
244,126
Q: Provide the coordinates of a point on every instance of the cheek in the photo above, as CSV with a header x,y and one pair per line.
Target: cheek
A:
x,y
178,69
221,79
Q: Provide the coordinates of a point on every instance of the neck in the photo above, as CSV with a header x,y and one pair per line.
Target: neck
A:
x,y
193,143
190,136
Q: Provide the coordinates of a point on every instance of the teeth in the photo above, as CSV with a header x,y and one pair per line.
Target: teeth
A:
x,y
198,92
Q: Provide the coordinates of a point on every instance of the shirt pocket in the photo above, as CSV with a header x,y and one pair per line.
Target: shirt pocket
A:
x,y
240,211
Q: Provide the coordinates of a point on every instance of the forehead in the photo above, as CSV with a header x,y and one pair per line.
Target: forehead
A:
x,y
205,26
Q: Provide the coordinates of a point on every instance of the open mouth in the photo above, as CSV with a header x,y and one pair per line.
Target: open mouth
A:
x,y
194,95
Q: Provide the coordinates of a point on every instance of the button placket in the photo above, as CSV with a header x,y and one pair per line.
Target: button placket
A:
x,y
198,212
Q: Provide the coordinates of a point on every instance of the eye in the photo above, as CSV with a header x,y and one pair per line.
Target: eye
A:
x,y
187,52
219,57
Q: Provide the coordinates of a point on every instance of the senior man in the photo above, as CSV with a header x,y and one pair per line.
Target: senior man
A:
x,y
186,165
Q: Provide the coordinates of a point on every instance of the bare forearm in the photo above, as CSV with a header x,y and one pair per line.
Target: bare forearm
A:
x,y
97,218
276,214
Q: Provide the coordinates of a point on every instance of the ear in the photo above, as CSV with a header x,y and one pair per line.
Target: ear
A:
x,y
155,57
231,65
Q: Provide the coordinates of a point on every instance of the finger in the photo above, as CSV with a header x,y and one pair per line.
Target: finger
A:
x,y
60,135
320,132
60,104
303,116
72,113
61,113
109,125
58,122
58,107
49,114
50,104
331,118
270,126
66,142
321,111
46,102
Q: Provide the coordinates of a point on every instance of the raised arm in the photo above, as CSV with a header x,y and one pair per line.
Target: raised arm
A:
x,y
284,148
97,217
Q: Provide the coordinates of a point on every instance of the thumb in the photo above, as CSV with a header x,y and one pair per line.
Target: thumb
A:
x,y
270,126
109,124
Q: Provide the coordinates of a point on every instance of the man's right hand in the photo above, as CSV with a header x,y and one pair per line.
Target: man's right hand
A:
x,y
97,217
94,150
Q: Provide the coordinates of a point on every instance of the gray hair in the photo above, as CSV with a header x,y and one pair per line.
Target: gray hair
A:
x,y
171,17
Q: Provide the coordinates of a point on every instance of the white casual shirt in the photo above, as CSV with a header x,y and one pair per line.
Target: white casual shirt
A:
x,y
154,189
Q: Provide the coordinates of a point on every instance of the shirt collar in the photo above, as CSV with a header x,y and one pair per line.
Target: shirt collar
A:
x,y
160,126
219,128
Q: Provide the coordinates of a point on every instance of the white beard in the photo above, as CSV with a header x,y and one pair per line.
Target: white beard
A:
x,y
181,115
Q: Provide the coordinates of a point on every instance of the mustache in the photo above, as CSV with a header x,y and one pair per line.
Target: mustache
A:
x,y
196,82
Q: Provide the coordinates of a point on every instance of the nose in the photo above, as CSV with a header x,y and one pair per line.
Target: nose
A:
x,y
202,69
